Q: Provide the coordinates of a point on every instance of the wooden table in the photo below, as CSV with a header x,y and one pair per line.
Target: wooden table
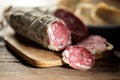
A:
x,y
12,67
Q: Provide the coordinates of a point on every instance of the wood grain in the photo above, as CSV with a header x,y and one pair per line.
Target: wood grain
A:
x,y
33,53
103,70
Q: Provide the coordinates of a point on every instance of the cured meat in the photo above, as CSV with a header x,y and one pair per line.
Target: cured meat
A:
x,y
94,42
77,28
78,57
41,28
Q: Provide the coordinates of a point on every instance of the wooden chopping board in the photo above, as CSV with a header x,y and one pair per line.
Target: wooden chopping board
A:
x,y
32,53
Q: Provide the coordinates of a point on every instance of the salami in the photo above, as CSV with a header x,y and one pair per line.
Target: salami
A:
x,y
94,42
76,26
78,57
41,28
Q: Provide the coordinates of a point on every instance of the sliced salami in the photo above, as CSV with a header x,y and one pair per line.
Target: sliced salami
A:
x,y
94,42
41,28
78,57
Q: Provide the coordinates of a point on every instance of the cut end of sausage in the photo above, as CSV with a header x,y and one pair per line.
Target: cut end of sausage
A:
x,y
78,57
75,25
59,35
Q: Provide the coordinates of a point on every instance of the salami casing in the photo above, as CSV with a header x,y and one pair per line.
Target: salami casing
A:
x,y
41,28
78,57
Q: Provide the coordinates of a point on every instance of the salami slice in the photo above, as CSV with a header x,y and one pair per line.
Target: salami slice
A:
x,y
94,42
78,57
43,29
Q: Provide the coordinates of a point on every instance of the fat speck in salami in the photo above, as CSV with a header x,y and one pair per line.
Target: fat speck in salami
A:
x,y
78,57
44,29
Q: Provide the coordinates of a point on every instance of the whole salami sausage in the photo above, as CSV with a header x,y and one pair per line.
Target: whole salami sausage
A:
x,y
78,57
44,29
